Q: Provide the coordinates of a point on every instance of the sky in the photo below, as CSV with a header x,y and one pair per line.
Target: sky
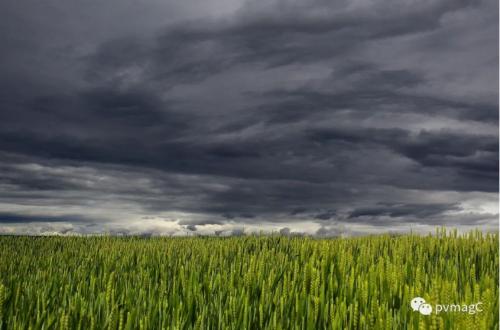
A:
x,y
223,117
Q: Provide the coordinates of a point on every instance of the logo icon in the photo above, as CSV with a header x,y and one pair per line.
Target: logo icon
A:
x,y
419,304
425,309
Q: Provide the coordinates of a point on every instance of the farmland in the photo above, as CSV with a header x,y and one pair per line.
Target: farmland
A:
x,y
250,282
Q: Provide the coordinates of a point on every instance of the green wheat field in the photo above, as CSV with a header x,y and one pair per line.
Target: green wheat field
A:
x,y
250,282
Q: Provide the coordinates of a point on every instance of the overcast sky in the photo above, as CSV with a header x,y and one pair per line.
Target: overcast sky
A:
x,y
222,116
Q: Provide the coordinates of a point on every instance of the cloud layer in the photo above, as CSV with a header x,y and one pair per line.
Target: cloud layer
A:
x,y
344,117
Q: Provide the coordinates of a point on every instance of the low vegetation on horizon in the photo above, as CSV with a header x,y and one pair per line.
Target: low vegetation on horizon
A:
x,y
248,282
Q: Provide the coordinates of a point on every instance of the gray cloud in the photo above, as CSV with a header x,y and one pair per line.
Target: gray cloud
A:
x,y
277,114
6,217
331,230
401,210
292,34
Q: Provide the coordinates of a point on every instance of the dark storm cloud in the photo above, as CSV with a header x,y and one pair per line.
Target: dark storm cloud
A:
x,y
475,155
373,91
385,215
31,180
327,215
276,112
191,227
196,50
201,222
402,210
100,112
6,217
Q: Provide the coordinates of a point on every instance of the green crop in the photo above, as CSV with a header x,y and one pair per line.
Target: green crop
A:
x,y
252,282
